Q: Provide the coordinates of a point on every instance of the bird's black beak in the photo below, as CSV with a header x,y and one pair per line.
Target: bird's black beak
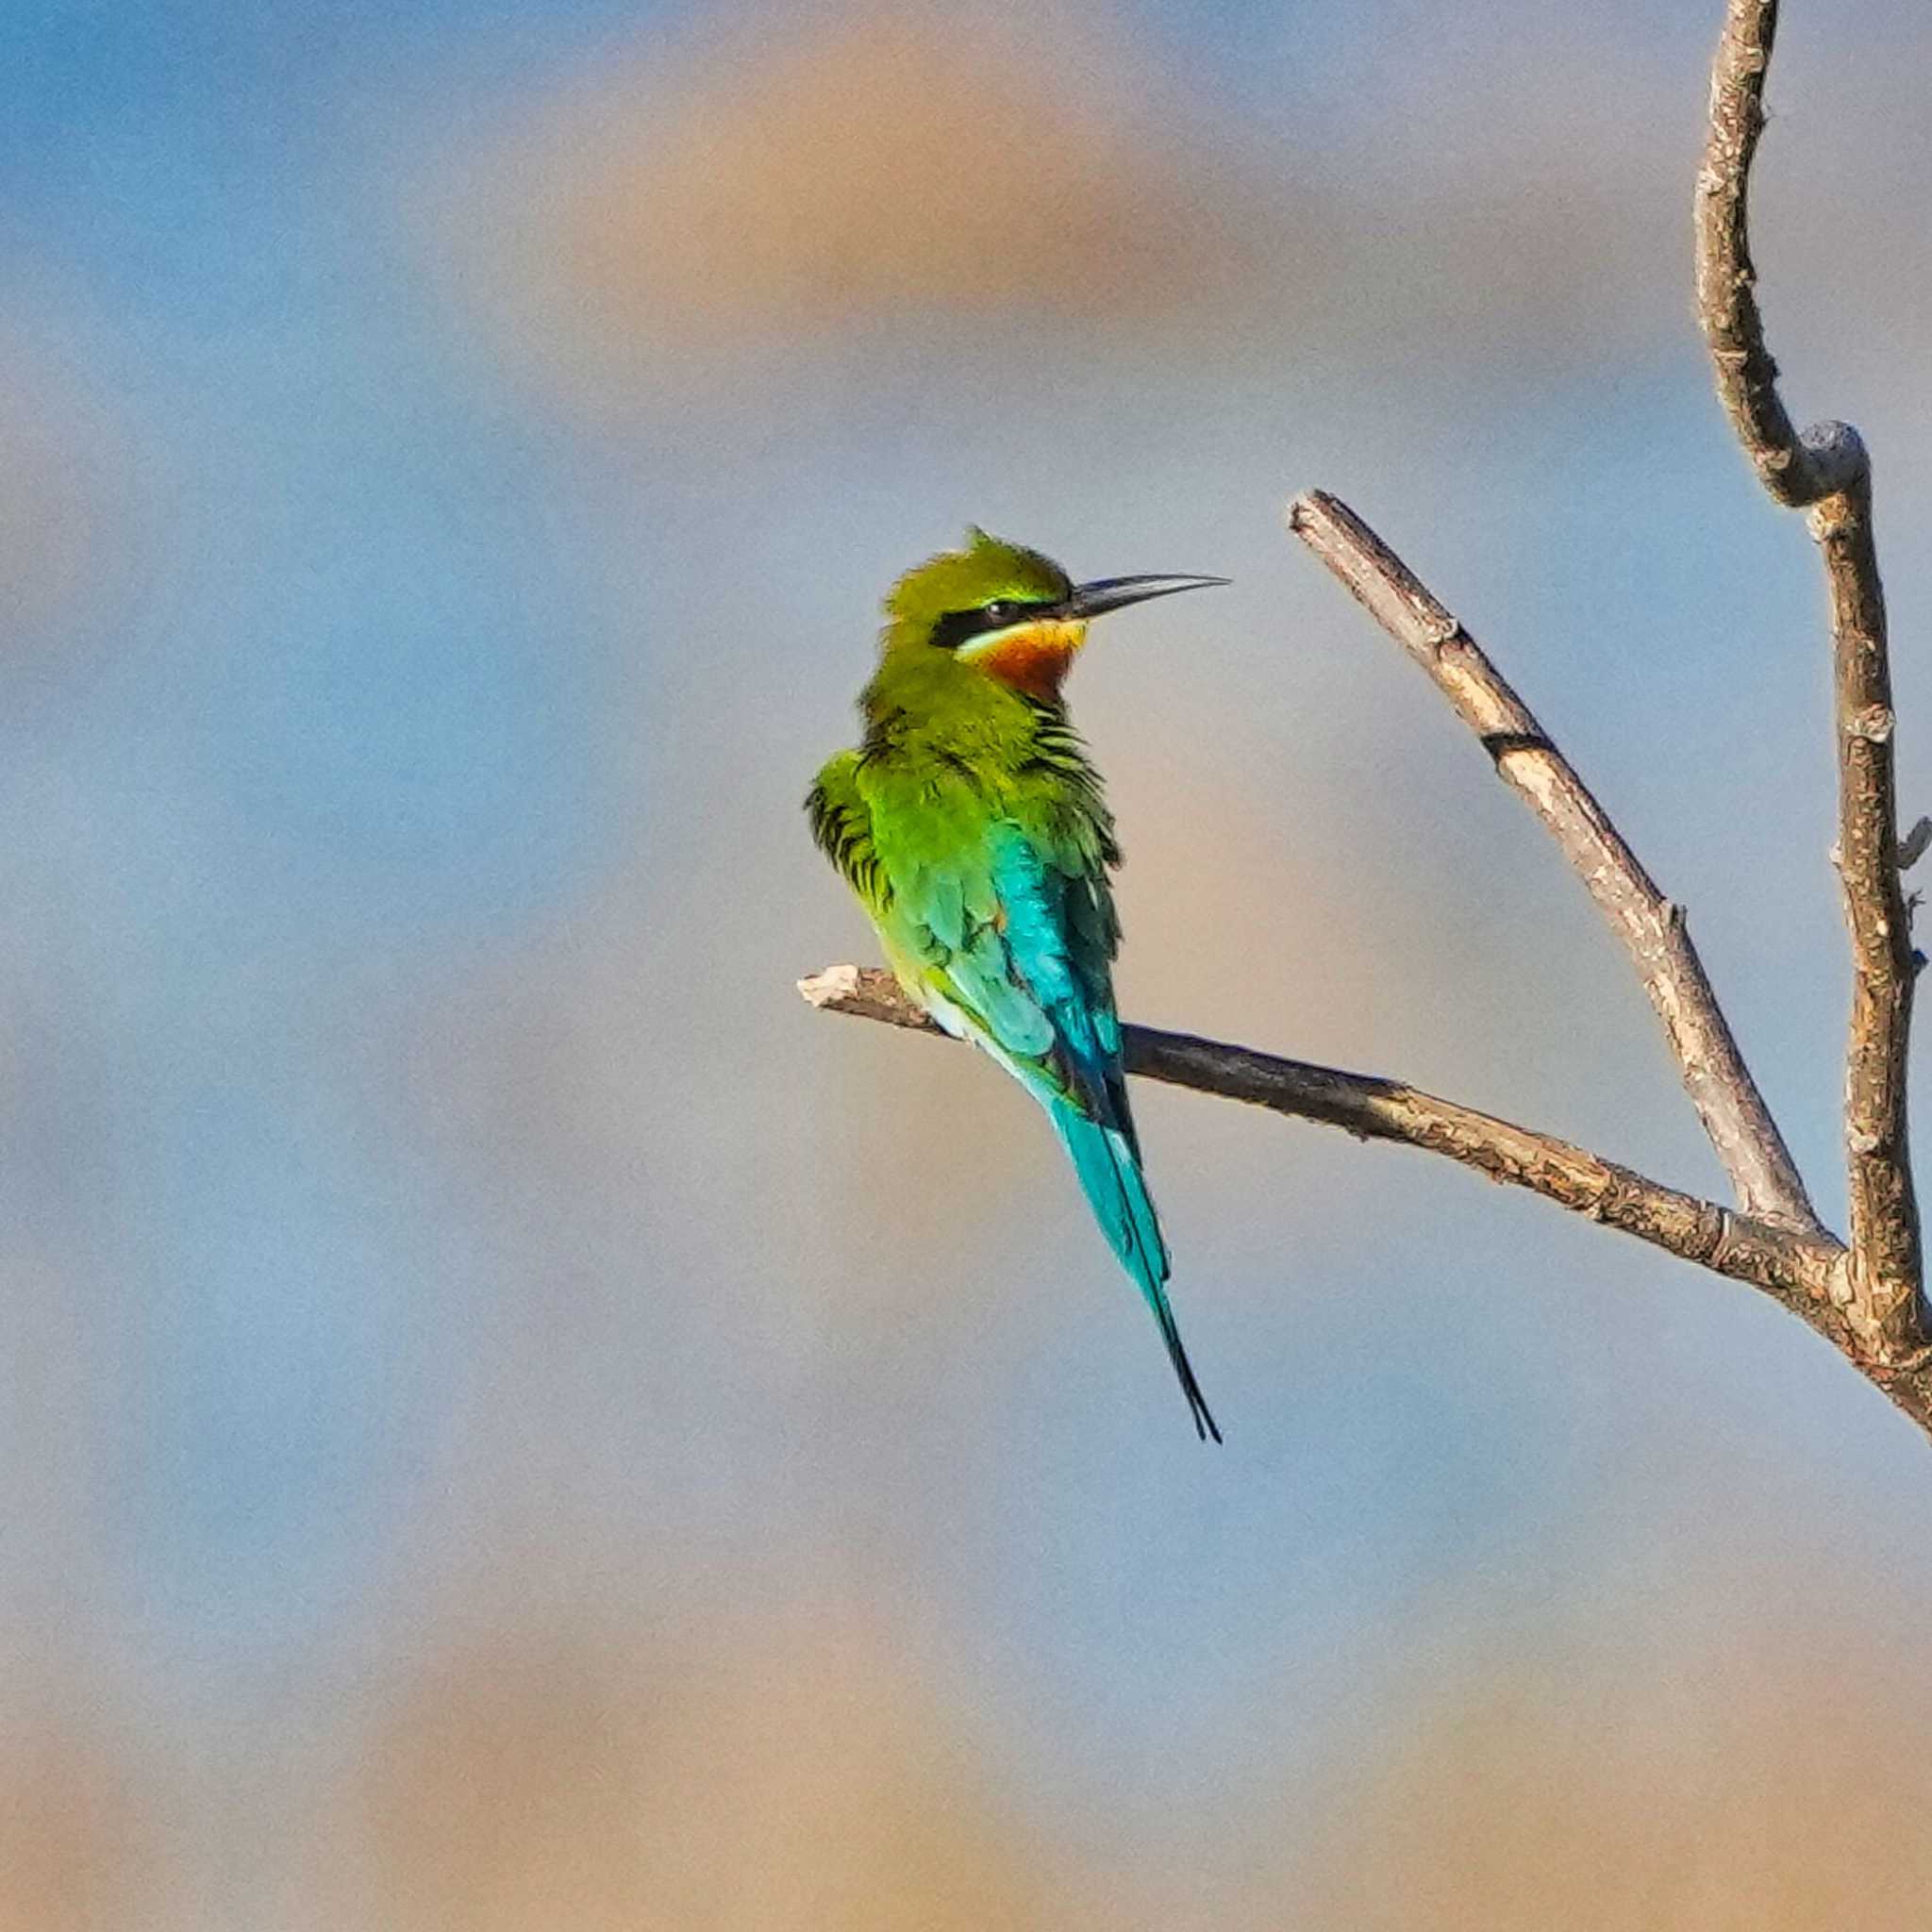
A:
x,y
1114,593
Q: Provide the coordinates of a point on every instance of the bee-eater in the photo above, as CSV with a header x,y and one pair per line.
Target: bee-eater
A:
x,y
971,826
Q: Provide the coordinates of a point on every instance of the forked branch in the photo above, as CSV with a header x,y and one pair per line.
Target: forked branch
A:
x,y
1652,927
1865,1295
1803,1272
1827,472
1797,1271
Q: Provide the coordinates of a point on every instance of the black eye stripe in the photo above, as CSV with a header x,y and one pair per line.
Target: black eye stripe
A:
x,y
961,627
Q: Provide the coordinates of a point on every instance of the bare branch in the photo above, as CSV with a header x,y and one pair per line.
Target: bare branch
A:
x,y
1790,1266
1803,1272
1651,927
1887,1263
1796,471
1867,1298
1827,470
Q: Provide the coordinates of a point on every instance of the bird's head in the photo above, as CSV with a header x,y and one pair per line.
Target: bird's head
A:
x,y
1009,612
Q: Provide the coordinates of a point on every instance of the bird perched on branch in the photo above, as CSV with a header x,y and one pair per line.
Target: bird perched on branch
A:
x,y
972,827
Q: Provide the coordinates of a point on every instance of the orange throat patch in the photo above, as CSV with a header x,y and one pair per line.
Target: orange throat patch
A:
x,y
1032,657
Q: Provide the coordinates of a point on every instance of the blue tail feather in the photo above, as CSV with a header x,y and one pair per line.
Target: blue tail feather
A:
x,y
1110,1171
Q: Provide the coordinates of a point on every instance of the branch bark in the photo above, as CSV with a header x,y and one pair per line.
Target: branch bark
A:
x,y
1652,927
1801,1272
1865,1297
1796,470
1828,471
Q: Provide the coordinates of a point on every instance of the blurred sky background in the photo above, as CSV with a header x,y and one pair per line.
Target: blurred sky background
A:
x,y
511,1422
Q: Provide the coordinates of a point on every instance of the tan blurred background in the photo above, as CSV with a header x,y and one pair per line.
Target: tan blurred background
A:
x,y
511,1422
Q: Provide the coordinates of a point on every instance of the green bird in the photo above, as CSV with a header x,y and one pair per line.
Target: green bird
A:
x,y
972,827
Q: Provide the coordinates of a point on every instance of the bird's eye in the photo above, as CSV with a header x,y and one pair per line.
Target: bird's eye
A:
x,y
1001,610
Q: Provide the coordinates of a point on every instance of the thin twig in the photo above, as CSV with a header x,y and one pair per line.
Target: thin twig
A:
x,y
1828,470
1651,927
1803,1272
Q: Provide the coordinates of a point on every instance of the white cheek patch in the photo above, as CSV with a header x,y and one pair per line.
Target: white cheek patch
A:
x,y
989,641
1045,634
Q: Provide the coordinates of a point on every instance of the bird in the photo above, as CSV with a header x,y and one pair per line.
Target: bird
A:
x,y
972,825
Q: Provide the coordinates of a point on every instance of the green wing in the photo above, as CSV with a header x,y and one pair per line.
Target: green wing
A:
x,y
1015,931
1011,924
842,823
998,916
1004,914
